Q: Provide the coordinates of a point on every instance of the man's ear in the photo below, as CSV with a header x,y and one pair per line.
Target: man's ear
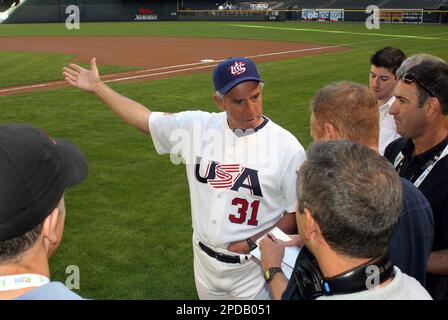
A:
x,y
219,102
310,228
330,132
49,226
432,106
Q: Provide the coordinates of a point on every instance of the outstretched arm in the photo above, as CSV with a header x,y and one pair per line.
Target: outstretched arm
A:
x,y
132,112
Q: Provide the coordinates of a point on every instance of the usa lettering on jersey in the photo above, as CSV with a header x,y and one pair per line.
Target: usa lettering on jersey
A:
x,y
229,176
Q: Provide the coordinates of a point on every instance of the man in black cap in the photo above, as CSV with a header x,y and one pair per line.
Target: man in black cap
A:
x,y
241,169
35,170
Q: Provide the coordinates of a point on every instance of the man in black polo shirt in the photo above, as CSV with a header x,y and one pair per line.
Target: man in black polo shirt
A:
x,y
420,112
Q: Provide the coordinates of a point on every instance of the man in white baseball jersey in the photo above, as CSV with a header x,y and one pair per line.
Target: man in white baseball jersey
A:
x,y
382,79
241,170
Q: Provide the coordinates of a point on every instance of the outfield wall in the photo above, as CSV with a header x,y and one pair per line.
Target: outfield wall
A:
x,y
321,15
95,10
40,11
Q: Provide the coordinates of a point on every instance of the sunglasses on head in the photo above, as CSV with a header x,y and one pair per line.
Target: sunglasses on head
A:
x,y
410,78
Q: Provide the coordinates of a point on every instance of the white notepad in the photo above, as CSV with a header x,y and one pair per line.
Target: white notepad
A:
x,y
291,253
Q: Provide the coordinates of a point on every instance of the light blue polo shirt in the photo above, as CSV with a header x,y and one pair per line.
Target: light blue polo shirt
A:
x,y
50,291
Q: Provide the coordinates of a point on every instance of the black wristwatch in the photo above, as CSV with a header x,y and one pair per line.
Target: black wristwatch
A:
x,y
269,274
251,244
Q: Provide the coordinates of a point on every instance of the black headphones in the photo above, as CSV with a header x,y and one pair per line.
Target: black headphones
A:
x,y
311,284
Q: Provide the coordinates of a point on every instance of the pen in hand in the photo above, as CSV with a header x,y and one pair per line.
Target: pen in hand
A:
x,y
272,238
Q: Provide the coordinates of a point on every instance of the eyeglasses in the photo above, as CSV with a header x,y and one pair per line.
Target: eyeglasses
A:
x,y
410,78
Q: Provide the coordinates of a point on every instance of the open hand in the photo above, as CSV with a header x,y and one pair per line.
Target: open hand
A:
x,y
82,78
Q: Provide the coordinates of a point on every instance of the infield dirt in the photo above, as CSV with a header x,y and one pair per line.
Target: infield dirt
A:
x,y
159,57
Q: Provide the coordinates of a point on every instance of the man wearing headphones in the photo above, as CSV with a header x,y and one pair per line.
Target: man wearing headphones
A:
x,y
349,200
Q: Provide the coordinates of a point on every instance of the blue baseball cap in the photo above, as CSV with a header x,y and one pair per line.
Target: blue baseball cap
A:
x,y
232,72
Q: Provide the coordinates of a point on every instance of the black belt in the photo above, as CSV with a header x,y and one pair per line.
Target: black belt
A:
x,y
220,256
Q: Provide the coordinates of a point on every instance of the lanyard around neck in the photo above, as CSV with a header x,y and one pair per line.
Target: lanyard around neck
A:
x,y
22,281
431,163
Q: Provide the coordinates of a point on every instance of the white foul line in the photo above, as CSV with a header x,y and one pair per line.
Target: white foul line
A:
x,y
211,65
157,74
336,31
41,85
33,86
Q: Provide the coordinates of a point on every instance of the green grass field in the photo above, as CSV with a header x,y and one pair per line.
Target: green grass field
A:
x,y
128,227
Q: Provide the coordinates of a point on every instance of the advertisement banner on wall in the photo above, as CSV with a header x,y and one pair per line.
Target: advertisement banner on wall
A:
x,y
413,16
391,16
402,16
259,6
336,15
323,15
309,15
145,14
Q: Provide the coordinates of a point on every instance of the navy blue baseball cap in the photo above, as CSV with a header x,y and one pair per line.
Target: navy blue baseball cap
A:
x,y
35,170
232,72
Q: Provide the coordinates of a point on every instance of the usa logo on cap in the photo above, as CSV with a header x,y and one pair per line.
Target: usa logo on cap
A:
x,y
238,68
232,71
